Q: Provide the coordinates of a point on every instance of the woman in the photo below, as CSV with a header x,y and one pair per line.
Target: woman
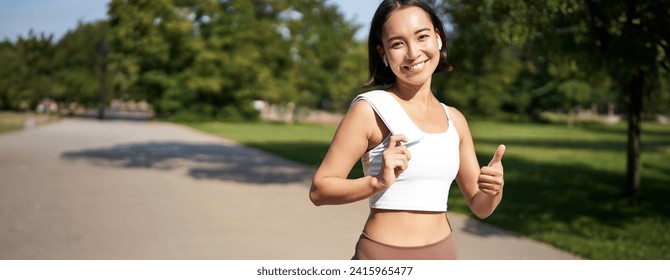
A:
x,y
412,146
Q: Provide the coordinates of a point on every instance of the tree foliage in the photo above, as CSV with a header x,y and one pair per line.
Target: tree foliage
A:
x,y
77,64
525,57
27,76
36,68
194,59
571,52
210,59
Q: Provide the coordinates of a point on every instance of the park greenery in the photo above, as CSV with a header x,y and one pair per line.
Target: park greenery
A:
x,y
205,59
516,60
12,121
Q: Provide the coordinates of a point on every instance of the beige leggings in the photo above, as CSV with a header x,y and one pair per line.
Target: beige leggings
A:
x,y
368,249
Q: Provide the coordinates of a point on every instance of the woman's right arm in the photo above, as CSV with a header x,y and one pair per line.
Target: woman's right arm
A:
x,y
358,130
330,184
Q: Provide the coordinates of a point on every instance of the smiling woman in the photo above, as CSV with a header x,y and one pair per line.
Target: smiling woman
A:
x,y
420,27
410,41
412,147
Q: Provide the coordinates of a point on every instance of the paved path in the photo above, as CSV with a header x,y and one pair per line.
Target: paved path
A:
x,y
85,189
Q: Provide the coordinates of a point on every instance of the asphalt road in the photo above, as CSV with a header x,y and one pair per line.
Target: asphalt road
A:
x,y
88,189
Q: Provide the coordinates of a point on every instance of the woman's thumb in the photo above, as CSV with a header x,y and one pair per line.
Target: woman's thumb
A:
x,y
497,157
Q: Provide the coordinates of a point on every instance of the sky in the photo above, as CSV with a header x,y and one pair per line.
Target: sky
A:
x,y
56,17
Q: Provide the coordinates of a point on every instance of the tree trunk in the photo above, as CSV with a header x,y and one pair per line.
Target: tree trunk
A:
x,y
101,50
635,89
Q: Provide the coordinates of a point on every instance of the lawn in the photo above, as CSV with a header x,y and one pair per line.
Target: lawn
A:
x,y
12,121
563,185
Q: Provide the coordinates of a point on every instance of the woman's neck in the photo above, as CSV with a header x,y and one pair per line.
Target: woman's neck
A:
x,y
413,93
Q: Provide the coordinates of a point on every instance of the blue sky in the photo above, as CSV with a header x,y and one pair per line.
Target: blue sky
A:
x,y
56,17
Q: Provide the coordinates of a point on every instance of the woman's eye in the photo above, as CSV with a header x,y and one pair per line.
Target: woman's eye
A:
x,y
396,45
423,37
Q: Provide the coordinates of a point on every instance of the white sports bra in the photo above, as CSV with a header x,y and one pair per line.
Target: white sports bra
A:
x,y
424,185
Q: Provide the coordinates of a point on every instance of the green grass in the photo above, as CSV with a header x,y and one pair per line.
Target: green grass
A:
x,y
563,185
304,143
12,121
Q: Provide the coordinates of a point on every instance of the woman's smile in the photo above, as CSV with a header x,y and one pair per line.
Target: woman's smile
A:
x,y
415,67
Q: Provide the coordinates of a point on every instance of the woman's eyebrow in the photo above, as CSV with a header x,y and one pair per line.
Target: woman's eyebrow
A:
x,y
400,37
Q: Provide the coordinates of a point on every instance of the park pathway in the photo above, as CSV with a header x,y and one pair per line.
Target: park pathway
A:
x,y
88,189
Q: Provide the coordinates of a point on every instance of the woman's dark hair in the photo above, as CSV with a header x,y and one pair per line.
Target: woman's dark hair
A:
x,y
381,75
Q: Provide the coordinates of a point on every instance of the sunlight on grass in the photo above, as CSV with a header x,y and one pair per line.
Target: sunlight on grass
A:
x,y
12,121
304,143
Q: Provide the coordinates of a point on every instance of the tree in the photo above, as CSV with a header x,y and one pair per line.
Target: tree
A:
x,y
243,58
75,60
27,72
151,44
212,58
626,40
9,64
329,64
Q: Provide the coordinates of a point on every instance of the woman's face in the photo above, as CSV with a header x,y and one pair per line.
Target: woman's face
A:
x,y
410,45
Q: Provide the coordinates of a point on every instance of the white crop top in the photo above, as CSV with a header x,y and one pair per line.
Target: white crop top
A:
x,y
424,185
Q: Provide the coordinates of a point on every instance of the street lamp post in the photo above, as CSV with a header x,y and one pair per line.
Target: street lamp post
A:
x,y
101,51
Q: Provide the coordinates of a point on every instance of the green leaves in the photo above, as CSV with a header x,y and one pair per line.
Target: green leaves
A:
x,y
577,52
226,53
205,57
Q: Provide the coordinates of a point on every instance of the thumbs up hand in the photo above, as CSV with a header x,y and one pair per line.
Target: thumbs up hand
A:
x,y
491,179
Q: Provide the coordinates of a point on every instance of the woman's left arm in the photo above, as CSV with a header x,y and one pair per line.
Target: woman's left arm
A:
x,y
482,187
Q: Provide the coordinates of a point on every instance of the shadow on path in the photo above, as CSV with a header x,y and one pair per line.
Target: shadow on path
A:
x,y
202,161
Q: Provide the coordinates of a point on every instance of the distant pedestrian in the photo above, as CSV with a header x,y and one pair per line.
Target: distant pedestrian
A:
x,y
412,146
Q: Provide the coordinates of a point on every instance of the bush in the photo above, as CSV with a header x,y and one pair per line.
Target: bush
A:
x,y
239,113
205,112
186,116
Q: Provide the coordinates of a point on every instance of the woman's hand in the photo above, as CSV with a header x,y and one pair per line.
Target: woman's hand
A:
x,y
394,161
491,179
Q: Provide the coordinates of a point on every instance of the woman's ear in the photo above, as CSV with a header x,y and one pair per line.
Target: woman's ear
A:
x,y
380,50
439,39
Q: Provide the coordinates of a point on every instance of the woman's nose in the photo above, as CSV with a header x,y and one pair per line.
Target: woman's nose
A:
x,y
412,51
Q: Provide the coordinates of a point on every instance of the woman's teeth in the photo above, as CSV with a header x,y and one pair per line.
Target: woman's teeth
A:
x,y
417,66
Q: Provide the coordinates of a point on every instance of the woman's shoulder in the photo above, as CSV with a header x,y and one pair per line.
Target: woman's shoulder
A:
x,y
361,111
370,96
455,113
358,108
360,120
366,108
458,119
